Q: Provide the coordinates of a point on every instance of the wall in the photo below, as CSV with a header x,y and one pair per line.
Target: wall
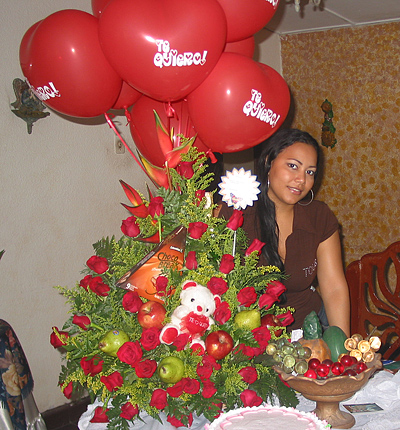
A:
x,y
59,194
357,70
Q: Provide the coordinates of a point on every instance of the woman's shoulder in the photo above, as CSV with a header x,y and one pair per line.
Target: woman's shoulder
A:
x,y
318,216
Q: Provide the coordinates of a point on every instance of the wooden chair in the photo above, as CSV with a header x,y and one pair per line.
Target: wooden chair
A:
x,y
374,283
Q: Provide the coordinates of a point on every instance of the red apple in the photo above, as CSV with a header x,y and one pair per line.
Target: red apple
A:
x,y
151,314
310,374
219,344
337,368
270,320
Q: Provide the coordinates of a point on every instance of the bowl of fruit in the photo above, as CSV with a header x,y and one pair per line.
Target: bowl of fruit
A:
x,y
327,369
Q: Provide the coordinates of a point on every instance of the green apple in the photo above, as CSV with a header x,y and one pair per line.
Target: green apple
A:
x,y
112,341
171,369
248,319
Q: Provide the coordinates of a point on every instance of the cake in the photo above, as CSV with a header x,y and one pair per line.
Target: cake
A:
x,y
267,416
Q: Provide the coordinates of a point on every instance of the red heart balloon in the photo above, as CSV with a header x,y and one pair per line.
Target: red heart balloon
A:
x,y
127,97
164,49
63,62
98,6
243,47
239,105
246,17
174,115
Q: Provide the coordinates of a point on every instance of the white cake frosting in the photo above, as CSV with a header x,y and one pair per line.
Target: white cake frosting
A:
x,y
267,416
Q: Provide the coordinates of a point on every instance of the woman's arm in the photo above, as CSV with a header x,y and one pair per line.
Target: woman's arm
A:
x,y
332,283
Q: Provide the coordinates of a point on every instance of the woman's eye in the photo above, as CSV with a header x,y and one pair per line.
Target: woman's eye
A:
x,y
292,165
311,172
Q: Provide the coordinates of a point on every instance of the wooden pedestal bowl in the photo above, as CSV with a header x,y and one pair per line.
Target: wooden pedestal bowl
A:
x,y
328,393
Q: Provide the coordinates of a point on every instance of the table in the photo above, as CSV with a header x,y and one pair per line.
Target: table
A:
x,y
383,389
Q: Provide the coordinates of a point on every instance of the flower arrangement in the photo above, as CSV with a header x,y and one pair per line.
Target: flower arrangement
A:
x,y
208,362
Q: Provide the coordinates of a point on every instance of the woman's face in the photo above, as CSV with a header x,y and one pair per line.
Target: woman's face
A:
x,y
292,174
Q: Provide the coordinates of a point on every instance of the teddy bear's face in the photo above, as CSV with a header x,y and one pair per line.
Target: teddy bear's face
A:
x,y
198,299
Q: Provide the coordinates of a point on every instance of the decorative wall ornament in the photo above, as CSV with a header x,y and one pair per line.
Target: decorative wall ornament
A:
x,y
328,129
27,106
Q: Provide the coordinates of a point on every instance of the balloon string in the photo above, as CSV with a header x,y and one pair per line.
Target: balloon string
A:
x,y
111,124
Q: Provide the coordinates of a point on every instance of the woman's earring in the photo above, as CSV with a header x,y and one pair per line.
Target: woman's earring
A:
x,y
268,181
312,198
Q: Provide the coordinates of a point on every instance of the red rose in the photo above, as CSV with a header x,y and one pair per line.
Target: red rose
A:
x,y
276,288
286,318
128,411
197,229
176,390
131,301
97,264
250,398
248,351
256,245
81,321
204,371
159,399
161,284
185,169
191,386
266,300
209,360
146,368
84,283
227,264
217,285
249,374
191,261
179,423
58,338
262,335
150,338
93,366
100,415
181,341
156,207
200,194
247,296
130,353
97,285
223,313
208,389
130,227
236,220
113,381
67,391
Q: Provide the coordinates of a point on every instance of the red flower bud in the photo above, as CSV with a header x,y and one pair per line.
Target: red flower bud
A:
x,y
197,229
58,338
156,207
236,220
97,264
81,321
191,261
256,245
227,264
130,227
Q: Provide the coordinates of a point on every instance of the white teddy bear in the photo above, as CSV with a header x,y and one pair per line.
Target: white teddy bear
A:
x,y
192,316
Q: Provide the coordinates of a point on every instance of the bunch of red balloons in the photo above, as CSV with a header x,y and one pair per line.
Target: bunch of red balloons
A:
x,y
190,60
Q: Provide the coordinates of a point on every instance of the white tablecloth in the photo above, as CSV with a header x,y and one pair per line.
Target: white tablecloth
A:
x,y
383,389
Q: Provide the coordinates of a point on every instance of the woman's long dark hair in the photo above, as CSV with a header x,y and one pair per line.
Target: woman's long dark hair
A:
x,y
269,231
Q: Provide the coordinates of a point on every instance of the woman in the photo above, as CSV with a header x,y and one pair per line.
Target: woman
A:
x,y
300,234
